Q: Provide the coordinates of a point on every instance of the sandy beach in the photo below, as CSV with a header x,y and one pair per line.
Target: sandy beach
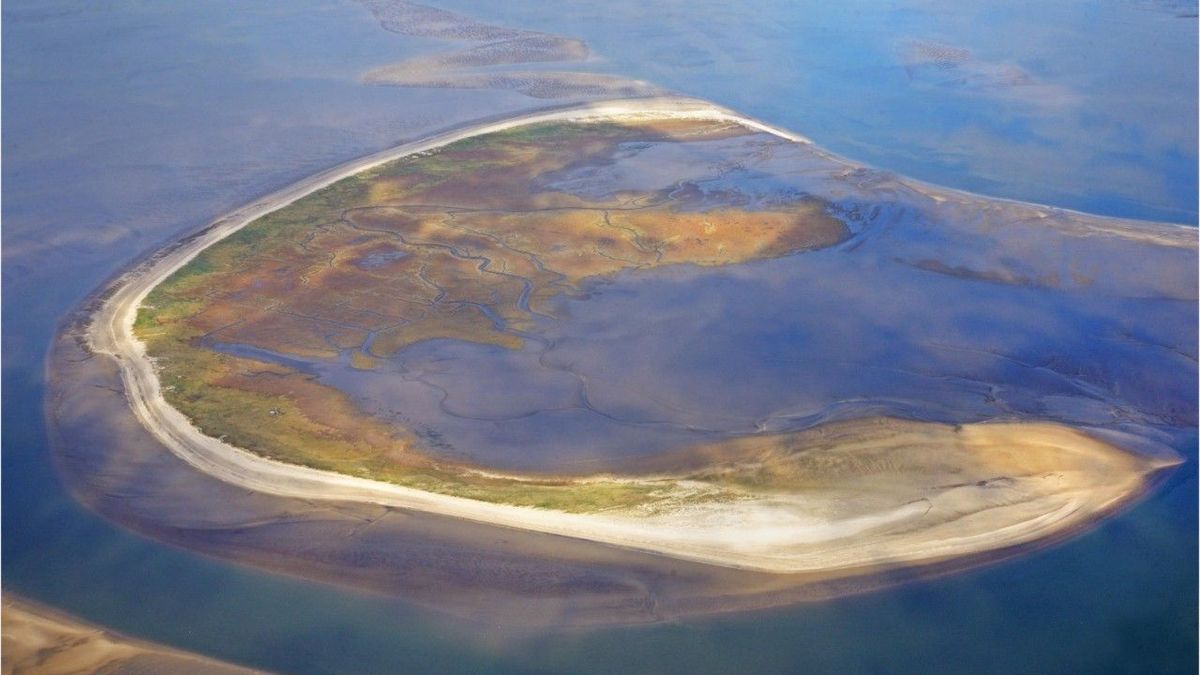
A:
x,y
38,639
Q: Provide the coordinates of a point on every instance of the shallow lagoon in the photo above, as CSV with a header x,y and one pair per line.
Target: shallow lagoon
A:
x,y
110,102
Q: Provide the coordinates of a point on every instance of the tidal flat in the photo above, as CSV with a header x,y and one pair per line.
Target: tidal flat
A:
x,y
983,480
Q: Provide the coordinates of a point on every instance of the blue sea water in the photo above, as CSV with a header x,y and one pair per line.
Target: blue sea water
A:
x,y
128,124
1082,104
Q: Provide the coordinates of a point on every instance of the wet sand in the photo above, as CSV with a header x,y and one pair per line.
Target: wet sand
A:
x,y
37,639
473,68
787,536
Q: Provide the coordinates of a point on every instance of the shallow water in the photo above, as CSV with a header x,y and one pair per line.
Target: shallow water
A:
x,y
1084,104
128,124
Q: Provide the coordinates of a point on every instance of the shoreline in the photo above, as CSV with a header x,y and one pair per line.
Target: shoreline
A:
x,y
458,569
111,333
44,639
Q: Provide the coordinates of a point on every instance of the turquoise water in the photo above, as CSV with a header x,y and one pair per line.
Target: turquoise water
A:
x,y
127,124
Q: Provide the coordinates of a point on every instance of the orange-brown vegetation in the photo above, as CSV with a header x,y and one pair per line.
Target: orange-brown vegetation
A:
x,y
459,244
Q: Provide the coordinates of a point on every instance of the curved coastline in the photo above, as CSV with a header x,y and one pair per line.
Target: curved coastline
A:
x,y
111,332
39,639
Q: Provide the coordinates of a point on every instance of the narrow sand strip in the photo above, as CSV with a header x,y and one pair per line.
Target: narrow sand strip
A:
x,y
40,640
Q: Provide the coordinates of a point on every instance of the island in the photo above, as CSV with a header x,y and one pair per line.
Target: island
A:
x,y
270,350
